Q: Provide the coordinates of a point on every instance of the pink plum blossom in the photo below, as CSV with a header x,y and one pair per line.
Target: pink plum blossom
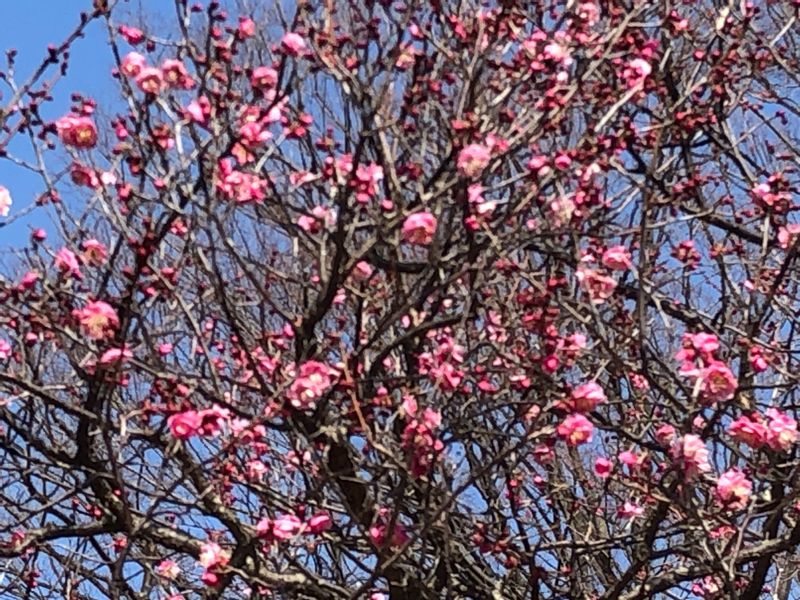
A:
x,y
691,454
5,201
586,397
473,159
98,319
77,131
419,228
733,489
576,429
293,43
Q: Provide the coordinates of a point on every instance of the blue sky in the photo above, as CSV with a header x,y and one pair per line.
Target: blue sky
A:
x,y
29,27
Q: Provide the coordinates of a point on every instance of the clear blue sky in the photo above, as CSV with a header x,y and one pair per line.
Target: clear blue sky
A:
x,y
29,26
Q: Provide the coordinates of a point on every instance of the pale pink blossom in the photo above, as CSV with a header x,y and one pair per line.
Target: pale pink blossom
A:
x,y
199,110
94,252
473,159
184,425
264,78
750,431
67,262
132,64
212,556
77,131
176,75
5,349
293,43
733,489
617,258
98,319
630,510
782,431
599,287
5,201
312,381
114,356
319,523
419,228
362,271
576,429
586,397
691,454
718,383
787,235
168,569
150,80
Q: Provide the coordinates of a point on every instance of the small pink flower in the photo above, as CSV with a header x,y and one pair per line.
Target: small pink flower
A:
x,y
5,201
133,35
150,80
5,349
285,527
77,131
362,271
132,64
168,569
782,431
247,27
319,523
787,235
176,75
94,252
599,287
586,397
617,258
199,110
419,228
718,383
98,319
576,429
733,489
691,454
264,78
630,510
67,262
115,356
212,556
293,44
313,380
602,467
473,159
749,431
665,434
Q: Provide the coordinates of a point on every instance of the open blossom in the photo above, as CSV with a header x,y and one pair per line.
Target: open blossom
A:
x,y
176,75
602,467
293,43
212,556
419,228
599,287
313,380
150,80
132,64
691,454
750,431
718,383
264,78
782,431
98,319
473,159
586,397
67,262
576,429
733,489
281,529
787,235
184,425
5,201
168,569
617,258
77,131
113,356
94,252
630,510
